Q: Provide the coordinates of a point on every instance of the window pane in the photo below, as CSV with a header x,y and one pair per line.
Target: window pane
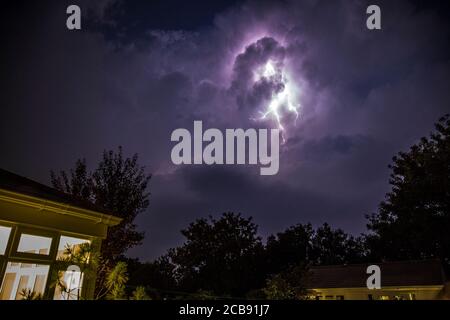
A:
x,y
34,244
73,243
69,285
19,282
4,237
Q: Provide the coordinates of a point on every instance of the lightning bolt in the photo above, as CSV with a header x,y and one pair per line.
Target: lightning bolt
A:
x,y
280,101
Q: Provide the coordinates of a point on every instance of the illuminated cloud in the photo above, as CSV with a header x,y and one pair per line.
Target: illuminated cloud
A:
x,y
263,86
132,81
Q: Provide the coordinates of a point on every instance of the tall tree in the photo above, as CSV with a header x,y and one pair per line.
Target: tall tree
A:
x,y
413,221
289,248
301,244
334,246
222,256
118,185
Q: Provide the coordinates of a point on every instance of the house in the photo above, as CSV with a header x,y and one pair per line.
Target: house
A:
x,y
37,223
403,280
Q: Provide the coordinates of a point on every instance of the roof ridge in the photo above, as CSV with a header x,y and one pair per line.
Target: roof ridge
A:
x,y
376,263
16,183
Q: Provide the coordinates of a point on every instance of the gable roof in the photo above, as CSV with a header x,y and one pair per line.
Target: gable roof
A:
x,y
15,183
400,273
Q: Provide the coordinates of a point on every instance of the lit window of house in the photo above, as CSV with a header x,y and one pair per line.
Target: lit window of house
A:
x,y
71,279
401,280
39,228
4,237
22,279
33,244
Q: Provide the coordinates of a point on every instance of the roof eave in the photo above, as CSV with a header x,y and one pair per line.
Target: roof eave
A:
x,y
61,208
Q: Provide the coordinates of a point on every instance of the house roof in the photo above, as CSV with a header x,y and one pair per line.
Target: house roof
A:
x,y
401,273
15,183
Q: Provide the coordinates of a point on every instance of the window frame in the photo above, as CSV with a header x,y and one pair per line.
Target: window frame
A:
x,y
12,255
4,257
10,238
51,256
75,236
91,240
32,261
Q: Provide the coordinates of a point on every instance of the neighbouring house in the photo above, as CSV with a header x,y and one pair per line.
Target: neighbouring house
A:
x,y
36,224
403,280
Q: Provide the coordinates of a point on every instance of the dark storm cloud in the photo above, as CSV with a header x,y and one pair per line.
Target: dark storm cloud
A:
x,y
123,81
222,189
330,146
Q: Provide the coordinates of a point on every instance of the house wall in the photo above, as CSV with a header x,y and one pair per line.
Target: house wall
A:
x,y
28,215
408,293
36,262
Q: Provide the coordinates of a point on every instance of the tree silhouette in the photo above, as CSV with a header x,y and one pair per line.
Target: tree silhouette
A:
x,y
413,221
118,185
334,246
222,256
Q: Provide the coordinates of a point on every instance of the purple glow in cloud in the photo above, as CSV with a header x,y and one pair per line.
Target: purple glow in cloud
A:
x,y
352,89
263,84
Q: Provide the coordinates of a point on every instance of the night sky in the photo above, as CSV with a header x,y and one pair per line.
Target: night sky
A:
x,y
138,70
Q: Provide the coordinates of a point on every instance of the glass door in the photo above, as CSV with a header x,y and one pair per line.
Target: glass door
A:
x,y
23,280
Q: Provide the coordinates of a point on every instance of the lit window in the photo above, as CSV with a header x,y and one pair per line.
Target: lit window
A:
x,y
23,283
69,284
34,244
69,242
4,237
70,281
